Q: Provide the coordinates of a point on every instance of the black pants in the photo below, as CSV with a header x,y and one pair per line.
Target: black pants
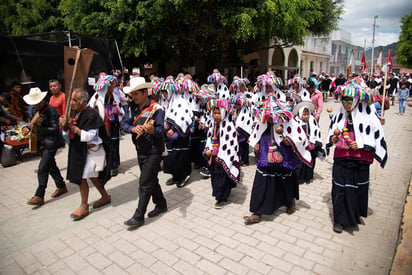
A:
x,y
149,184
244,152
114,151
48,166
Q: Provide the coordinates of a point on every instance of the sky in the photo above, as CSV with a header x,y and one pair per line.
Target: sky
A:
x,y
358,20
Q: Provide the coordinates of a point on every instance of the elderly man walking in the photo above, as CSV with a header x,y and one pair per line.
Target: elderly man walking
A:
x,y
89,152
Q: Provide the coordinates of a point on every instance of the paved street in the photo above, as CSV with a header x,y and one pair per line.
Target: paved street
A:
x,y
193,237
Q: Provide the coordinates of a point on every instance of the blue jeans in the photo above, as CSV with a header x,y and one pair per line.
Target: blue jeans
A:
x,y
378,108
402,105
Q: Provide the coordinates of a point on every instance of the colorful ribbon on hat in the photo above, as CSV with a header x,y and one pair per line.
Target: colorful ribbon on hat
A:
x,y
105,81
237,82
240,99
216,76
353,89
205,93
167,85
272,108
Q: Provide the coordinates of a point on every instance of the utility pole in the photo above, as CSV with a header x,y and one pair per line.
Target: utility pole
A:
x,y
373,41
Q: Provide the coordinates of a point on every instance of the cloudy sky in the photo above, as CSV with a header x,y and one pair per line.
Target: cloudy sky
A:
x,y
358,20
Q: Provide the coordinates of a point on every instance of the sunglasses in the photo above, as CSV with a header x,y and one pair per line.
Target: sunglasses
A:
x,y
347,100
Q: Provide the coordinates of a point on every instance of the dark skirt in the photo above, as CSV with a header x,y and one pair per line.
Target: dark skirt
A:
x,y
304,173
222,184
273,188
244,152
197,146
177,162
350,185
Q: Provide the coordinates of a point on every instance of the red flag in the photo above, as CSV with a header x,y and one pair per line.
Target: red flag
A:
x,y
363,62
389,61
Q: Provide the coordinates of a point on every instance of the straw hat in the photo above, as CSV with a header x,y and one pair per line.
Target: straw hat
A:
x,y
35,96
138,83
303,104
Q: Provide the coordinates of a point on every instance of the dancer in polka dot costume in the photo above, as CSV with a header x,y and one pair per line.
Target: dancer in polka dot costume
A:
x,y
278,140
178,120
358,136
222,146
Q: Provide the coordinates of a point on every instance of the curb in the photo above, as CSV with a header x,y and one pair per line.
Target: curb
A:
x,y
402,261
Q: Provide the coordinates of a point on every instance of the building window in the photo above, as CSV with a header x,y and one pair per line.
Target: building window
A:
x,y
321,67
311,67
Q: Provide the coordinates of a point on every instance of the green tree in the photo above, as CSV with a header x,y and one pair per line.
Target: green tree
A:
x,y
29,16
404,51
180,30
186,30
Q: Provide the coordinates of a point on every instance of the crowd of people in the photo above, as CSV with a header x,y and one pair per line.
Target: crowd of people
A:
x,y
212,127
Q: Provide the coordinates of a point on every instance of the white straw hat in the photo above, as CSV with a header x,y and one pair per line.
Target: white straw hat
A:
x,y
138,83
35,96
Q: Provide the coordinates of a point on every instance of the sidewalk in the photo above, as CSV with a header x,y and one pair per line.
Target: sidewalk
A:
x,y
193,237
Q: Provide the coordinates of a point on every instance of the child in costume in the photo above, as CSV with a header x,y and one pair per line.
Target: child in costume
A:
x,y
242,117
178,119
303,112
222,147
357,132
278,140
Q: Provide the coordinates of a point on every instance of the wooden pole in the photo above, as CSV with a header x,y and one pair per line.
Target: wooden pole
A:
x,y
382,109
69,95
384,93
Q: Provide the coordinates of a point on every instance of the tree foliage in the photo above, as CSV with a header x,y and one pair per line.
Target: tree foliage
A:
x,y
404,51
181,30
29,16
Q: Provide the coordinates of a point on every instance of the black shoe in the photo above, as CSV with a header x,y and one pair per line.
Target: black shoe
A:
x,y
220,204
338,228
205,172
114,172
156,212
183,182
170,181
133,222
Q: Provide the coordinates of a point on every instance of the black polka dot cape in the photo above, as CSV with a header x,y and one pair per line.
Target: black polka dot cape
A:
x,y
366,124
227,156
314,133
292,129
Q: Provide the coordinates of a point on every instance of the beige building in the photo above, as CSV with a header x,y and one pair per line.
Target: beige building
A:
x,y
314,56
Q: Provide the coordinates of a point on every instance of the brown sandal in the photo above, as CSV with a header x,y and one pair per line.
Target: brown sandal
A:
x,y
252,219
80,213
292,208
101,202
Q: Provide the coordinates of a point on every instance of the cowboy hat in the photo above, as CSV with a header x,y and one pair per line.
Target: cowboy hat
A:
x,y
303,104
138,83
127,89
35,96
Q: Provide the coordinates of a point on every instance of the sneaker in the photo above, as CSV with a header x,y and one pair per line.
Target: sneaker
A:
x,y
205,172
36,201
114,172
338,228
183,182
59,192
170,181
220,204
